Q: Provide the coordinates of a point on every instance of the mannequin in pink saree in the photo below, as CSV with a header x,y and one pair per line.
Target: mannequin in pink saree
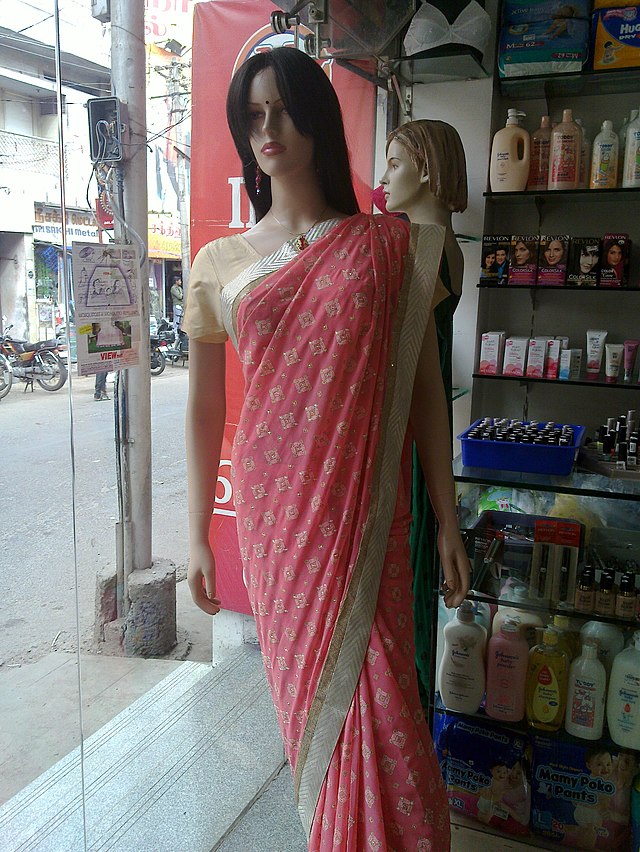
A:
x,y
330,328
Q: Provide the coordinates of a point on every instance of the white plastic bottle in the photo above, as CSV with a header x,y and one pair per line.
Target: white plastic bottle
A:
x,y
564,156
608,638
622,139
631,169
585,156
623,698
586,695
540,145
604,160
510,156
528,622
461,676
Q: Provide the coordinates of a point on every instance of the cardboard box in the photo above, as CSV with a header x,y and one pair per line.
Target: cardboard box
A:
x,y
583,265
491,353
615,38
516,12
570,365
515,356
552,259
536,357
614,265
523,259
552,46
494,268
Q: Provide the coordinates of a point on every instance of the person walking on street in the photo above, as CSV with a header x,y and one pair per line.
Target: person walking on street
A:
x,y
100,388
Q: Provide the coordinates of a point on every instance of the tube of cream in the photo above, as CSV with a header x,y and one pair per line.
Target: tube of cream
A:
x,y
630,350
595,350
613,357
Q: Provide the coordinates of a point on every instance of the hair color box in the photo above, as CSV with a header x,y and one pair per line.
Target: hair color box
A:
x,y
570,364
581,793
515,356
615,38
536,357
614,266
491,353
494,267
583,266
523,260
552,260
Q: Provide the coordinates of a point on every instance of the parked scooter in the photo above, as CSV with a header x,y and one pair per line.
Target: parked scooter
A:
x,y
157,359
6,376
40,362
174,348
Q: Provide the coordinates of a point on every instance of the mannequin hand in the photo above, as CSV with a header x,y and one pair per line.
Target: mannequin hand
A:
x,y
201,577
455,565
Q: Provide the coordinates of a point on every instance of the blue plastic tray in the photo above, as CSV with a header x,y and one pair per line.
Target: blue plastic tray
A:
x,y
527,458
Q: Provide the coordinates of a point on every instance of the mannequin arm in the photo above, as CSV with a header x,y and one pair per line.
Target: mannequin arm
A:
x,y
204,429
430,424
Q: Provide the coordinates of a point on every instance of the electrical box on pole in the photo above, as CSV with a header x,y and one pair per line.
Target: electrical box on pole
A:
x,y
107,126
101,9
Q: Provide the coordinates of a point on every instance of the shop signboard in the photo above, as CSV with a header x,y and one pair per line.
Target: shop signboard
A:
x,y
47,224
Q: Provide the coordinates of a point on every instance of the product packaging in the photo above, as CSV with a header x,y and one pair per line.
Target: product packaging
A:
x,y
612,361
604,159
552,361
629,356
510,155
581,793
623,697
595,350
631,162
536,357
523,260
542,559
491,353
507,660
484,767
552,46
635,813
570,365
609,639
615,38
586,695
526,621
565,153
567,550
514,12
495,259
547,676
585,155
583,266
540,147
461,676
515,356
614,266
552,260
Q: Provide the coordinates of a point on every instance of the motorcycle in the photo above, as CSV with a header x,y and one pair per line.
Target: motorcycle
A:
x,y
6,377
157,357
175,348
40,362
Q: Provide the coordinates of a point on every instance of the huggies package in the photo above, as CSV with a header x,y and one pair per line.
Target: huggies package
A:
x,y
615,38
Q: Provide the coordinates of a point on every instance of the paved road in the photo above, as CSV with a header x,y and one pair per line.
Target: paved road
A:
x,y
38,570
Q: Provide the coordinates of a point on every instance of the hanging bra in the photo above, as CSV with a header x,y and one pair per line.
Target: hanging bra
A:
x,y
430,28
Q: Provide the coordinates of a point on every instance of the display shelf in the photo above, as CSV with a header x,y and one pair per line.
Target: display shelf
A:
x,y
472,834
570,195
584,382
578,482
568,288
440,66
457,393
624,81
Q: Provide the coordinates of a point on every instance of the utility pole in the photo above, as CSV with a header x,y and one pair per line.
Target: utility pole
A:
x,y
134,403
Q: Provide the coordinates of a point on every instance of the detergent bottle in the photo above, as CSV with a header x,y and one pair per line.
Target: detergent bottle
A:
x,y
510,156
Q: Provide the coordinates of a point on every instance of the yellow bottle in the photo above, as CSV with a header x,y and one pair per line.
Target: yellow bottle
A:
x,y
568,640
547,676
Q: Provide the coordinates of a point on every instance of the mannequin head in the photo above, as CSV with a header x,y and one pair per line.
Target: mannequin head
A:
x,y
313,106
435,150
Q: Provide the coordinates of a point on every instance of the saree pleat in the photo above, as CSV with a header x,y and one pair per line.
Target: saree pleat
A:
x,y
329,345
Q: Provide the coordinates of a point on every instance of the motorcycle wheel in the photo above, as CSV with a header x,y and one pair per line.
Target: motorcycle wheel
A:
x,y
158,362
6,377
55,372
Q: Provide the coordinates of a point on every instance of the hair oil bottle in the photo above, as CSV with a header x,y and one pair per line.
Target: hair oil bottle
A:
x,y
547,676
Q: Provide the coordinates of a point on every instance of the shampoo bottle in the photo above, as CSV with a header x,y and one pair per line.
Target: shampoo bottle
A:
x,y
604,160
622,139
507,661
608,638
631,168
510,156
623,698
546,692
461,677
564,156
585,156
540,146
586,694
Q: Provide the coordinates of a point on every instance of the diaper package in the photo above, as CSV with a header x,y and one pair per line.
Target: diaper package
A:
x,y
551,46
485,769
616,38
514,12
581,793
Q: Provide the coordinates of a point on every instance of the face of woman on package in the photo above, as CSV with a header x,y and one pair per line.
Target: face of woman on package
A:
x,y
278,146
614,255
521,253
554,252
403,185
588,258
489,260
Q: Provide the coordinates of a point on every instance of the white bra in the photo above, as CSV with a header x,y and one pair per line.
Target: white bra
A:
x,y
430,28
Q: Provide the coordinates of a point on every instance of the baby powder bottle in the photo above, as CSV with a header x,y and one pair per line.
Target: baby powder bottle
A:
x,y
564,155
623,697
622,139
461,676
604,160
585,156
528,622
631,168
507,661
540,145
586,695
510,156
546,691
608,638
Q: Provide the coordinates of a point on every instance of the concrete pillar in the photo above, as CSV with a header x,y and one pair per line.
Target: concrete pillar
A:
x,y
150,623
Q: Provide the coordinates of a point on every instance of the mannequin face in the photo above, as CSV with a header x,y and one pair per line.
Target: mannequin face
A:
x,y
403,185
279,148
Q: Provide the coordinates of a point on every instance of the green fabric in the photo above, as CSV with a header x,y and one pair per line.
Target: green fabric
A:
x,y
424,527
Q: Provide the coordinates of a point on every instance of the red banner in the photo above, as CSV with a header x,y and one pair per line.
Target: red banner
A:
x,y
225,34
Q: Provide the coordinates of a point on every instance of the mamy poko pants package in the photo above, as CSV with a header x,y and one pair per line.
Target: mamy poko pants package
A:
x,y
581,793
485,769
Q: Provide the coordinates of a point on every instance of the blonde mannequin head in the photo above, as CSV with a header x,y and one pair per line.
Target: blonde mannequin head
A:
x,y
435,149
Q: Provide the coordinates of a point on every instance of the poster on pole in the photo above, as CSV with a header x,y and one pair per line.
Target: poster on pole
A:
x,y
107,288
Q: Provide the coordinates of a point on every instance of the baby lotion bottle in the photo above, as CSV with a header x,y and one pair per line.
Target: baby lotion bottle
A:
x,y
604,160
540,146
631,168
528,622
507,661
586,695
623,697
564,155
461,676
546,692
510,156
608,638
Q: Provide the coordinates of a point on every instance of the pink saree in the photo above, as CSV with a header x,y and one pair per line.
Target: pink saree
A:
x,y
329,340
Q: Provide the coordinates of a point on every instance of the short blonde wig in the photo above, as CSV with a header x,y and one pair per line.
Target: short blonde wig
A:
x,y
435,149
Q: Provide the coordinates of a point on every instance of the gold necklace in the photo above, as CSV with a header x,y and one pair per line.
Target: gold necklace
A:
x,y
300,241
